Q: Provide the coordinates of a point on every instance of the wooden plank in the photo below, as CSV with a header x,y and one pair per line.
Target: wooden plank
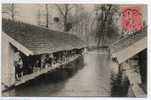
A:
x,y
133,77
138,91
130,92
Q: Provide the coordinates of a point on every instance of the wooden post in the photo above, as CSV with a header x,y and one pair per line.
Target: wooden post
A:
x,y
8,69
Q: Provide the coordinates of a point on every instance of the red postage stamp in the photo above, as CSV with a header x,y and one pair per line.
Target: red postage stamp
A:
x,y
131,19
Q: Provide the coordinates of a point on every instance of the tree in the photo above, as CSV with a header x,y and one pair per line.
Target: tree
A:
x,y
39,17
64,11
105,22
47,15
10,9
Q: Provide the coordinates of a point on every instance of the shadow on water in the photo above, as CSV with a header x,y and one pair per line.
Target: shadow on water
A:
x,y
51,82
119,85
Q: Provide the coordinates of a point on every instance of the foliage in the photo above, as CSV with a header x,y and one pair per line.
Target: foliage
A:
x,y
10,10
106,22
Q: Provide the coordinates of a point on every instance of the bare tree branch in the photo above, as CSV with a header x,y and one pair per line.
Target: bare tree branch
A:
x,y
61,12
65,13
70,8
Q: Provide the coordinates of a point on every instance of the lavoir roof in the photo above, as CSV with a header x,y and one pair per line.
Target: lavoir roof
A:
x,y
129,46
40,40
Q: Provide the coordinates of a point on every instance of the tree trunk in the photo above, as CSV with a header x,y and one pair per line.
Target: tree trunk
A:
x,y
65,23
13,11
65,18
47,15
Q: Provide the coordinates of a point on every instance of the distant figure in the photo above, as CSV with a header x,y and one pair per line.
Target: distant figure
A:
x,y
48,60
64,56
18,65
37,65
85,51
43,61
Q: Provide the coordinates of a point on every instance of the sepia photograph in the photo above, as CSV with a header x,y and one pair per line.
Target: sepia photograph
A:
x,y
74,50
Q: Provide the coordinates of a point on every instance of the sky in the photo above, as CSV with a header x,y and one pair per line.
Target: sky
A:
x,y
27,12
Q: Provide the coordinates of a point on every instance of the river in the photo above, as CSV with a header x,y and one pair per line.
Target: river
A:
x,y
89,75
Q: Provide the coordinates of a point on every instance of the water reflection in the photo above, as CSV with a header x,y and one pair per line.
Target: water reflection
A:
x,y
120,85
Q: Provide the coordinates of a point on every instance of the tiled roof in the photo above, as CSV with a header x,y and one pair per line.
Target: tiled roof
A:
x,y
128,41
40,40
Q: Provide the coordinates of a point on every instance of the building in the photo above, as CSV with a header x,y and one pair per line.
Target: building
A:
x,y
129,56
31,41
